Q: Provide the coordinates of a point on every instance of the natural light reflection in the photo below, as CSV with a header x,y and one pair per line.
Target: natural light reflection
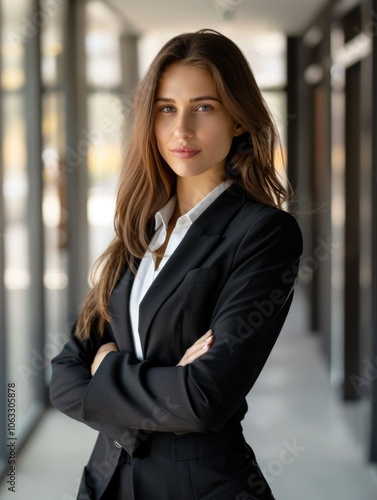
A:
x,y
100,208
105,122
17,279
55,280
51,210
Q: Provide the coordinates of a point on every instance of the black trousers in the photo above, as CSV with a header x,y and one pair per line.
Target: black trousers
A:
x,y
215,466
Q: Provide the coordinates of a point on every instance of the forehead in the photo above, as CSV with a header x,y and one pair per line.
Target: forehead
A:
x,y
183,79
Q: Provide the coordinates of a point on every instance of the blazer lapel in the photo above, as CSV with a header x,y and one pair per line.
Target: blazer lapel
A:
x,y
203,237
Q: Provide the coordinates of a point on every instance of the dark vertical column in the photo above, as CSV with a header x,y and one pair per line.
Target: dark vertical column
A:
x,y
35,219
320,167
76,154
292,109
315,177
365,381
299,145
352,231
130,78
321,241
373,433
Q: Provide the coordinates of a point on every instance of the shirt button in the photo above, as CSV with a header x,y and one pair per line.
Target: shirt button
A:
x,y
117,444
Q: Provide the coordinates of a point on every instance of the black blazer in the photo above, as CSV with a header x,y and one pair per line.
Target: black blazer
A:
x,y
233,272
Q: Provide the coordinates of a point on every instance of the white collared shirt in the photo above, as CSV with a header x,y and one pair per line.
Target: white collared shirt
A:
x,y
146,272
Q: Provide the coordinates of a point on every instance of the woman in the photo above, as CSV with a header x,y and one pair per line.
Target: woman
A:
x,y
189,298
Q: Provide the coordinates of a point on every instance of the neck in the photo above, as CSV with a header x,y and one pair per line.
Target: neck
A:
x,y
191,190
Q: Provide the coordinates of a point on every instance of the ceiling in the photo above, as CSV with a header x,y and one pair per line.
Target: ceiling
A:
x,y
228,16
258,27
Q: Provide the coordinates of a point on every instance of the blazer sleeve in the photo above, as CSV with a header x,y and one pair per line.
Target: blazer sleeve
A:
x,y
71,372
126,394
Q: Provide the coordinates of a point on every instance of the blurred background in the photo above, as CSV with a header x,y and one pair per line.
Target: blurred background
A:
x,y
68,74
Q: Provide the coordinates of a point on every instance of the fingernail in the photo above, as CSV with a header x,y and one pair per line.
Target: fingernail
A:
x,y
209,338
205,347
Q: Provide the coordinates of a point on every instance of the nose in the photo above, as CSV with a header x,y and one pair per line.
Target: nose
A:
x,y
184,126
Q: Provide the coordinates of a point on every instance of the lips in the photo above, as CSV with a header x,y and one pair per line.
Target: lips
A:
x,y
185,152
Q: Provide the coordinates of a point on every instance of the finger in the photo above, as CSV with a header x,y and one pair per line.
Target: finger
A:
x,y
207,343
198,353
200,347
200,344
204,337
198,350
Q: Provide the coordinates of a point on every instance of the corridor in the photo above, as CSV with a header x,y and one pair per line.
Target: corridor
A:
x,y
69,74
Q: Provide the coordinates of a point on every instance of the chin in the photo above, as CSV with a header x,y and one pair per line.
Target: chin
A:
x,y
186,173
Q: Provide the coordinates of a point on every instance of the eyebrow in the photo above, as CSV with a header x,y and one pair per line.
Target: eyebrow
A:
x,y
196,99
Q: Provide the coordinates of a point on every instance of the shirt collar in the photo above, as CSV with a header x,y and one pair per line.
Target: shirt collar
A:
x,y
163,216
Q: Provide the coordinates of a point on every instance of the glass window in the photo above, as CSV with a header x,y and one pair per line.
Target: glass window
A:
x,y
24,361
54,182
105,122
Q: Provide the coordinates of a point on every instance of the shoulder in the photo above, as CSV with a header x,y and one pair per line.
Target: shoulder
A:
x,y
256,213
269,225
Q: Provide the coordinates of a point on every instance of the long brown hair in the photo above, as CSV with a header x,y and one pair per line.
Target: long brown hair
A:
x,y
146,182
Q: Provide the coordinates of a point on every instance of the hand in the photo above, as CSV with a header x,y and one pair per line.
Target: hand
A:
x,y
102,352
200,347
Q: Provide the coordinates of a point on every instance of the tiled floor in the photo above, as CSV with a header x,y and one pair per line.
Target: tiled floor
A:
x,y
307,442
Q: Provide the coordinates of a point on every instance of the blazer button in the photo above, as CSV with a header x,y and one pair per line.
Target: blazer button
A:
x,y
117,444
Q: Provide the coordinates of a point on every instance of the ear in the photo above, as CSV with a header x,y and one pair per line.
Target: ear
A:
x,y
238,130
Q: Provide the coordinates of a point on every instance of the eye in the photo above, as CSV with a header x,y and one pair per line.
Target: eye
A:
x,y
204,107
167,109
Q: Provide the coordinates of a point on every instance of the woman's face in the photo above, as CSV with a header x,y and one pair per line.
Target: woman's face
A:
x,y
193,131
